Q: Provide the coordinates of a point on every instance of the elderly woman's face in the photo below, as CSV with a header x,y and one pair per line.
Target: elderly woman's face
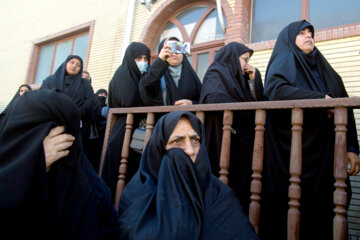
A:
x,y
185,137
73,66
305,41
23,90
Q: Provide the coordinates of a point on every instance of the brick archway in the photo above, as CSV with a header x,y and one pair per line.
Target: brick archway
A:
x,y
169,8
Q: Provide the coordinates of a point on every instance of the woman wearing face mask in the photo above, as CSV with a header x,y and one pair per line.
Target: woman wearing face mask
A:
x,y
174,195
22,89
230,78
298,70
124,92
170,80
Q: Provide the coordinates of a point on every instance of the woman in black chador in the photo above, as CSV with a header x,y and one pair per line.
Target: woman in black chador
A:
x,y
231,79
124,92
67,78
22,89
174,195
297,70
48,190
170,80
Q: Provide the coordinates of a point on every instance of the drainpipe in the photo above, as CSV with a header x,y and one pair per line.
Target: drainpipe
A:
x,y
128,27
220,15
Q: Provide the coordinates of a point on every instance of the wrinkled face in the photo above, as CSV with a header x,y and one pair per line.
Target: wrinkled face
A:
x,y
142,58
244,59
185,137
73,66
305,41
85,75
23,90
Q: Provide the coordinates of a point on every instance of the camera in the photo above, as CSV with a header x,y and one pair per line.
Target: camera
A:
x,y
179,47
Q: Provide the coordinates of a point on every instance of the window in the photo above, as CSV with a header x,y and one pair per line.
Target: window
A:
x,y
52,55
200,26
49,53
270,16
335,13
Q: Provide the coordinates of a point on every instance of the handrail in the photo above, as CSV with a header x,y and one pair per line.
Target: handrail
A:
x,y
265,105
297,106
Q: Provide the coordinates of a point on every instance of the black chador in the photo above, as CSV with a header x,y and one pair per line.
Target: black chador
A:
x,y
224,82
189,85
68,202
172,197
123,92
77,88
293,74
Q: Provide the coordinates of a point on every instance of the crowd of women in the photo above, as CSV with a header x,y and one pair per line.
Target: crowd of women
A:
x,y
50,190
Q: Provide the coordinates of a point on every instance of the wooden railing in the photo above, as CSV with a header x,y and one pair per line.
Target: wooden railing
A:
x,y
340,106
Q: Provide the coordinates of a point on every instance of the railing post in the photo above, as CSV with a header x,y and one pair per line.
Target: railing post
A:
x,y
150,121
111,119
225,146
257,167
201,116
124,156
295,172
340,174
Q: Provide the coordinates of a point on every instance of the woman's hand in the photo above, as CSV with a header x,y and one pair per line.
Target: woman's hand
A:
x,y
56,144
165,52
354,160
250,70
183,102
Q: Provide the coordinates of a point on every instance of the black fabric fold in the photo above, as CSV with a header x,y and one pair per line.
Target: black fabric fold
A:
x,y
170,197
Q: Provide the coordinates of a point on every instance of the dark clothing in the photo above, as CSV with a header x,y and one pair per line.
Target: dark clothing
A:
x,y
150,84
77,88
224,83
123,92
292,75
68,202
170,197
9,106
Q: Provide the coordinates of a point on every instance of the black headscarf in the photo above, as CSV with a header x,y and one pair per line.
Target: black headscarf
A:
x,y
289,74
17,94
101,99
189,84
78,89
124,86
292,74
58,204
171,197
223,83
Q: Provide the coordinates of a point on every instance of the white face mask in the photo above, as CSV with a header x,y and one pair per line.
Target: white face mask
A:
x,y
143,66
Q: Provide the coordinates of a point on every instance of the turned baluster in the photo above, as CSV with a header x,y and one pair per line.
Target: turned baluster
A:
x,y
295,172
257,167
150,120
225,147
109,126
124,157
201,116
340,174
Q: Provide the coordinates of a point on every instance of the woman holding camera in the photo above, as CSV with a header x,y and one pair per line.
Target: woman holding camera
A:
x,y
170,79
